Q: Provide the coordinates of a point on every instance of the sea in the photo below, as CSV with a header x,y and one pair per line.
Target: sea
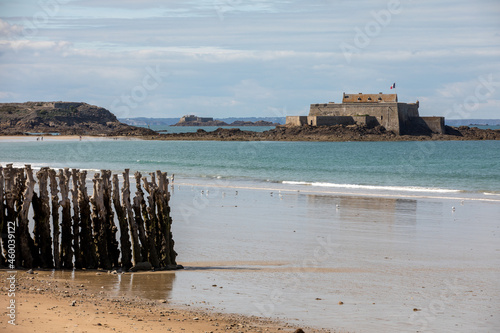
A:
x,y
471,167
345,236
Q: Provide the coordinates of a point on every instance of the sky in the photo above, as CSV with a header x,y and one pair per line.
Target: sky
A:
x,y
251,58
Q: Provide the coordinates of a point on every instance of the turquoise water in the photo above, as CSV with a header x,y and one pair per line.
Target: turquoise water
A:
x,y
472,166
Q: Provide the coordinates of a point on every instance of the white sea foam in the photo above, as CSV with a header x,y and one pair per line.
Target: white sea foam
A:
x,y
375,187
490,193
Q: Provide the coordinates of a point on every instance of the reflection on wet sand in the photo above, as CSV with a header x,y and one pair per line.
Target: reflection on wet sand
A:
x,y
151,285
355,208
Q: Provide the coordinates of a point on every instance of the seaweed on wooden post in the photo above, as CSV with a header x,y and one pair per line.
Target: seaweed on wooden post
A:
x,y
122,220
98,220
8,210
54,194
163,196
66,235
89,255
18,185
151,221
76,219
41,208
109,220
23,230
137,206
136,247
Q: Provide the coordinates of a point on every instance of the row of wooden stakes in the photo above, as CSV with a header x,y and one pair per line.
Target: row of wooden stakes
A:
x,y
80,232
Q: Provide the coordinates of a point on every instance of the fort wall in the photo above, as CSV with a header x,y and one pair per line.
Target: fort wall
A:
x,y
385,114
371,110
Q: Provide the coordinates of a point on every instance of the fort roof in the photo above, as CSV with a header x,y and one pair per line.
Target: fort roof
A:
x,y
369,98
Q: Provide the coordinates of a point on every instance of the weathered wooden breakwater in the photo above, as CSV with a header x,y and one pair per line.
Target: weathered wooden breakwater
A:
x,y
75,230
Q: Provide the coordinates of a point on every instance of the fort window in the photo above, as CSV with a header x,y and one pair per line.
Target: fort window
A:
x,y
369,98
380,98
359,98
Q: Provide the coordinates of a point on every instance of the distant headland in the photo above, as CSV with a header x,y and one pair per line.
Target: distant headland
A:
x,y
65,118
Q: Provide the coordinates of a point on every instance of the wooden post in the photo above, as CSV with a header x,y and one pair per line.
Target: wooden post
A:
x,y
98,220
163,198
136,247
151,221
87,242
54,193
3,226
23,230
18,187
109,220
76,219
41,208
122,219
137,205
66,235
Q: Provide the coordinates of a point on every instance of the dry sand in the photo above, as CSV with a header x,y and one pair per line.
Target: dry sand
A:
x,y
46,304
15,138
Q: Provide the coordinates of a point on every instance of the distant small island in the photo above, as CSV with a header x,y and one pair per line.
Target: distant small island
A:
x,y
192,120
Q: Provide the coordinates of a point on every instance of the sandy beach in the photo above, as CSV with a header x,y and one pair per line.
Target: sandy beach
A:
x,y
45,303
338,263
29,138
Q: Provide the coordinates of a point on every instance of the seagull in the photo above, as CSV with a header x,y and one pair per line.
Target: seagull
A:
x,y
271,193
462,203
236,192
453,208
337,206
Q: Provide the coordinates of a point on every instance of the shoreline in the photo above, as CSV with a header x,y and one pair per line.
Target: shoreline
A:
x,y
48,304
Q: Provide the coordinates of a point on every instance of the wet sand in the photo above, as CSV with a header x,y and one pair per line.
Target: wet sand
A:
x,y
52,303
356,262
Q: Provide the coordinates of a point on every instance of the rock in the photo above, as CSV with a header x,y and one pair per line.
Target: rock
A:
x,y
299,330
142,266
340,302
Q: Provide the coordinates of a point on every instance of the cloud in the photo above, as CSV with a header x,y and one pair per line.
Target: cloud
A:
x,y
9,30
259,57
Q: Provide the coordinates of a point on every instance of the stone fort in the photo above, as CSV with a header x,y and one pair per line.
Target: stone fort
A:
x,y
371,110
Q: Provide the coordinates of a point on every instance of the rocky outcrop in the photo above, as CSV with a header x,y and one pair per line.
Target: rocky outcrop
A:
x,y
66,118
332,133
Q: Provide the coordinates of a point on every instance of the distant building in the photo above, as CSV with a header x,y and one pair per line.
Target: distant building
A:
x,y
192,118
370,110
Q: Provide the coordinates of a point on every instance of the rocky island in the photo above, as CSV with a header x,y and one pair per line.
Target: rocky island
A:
x,y
65,118
192,120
